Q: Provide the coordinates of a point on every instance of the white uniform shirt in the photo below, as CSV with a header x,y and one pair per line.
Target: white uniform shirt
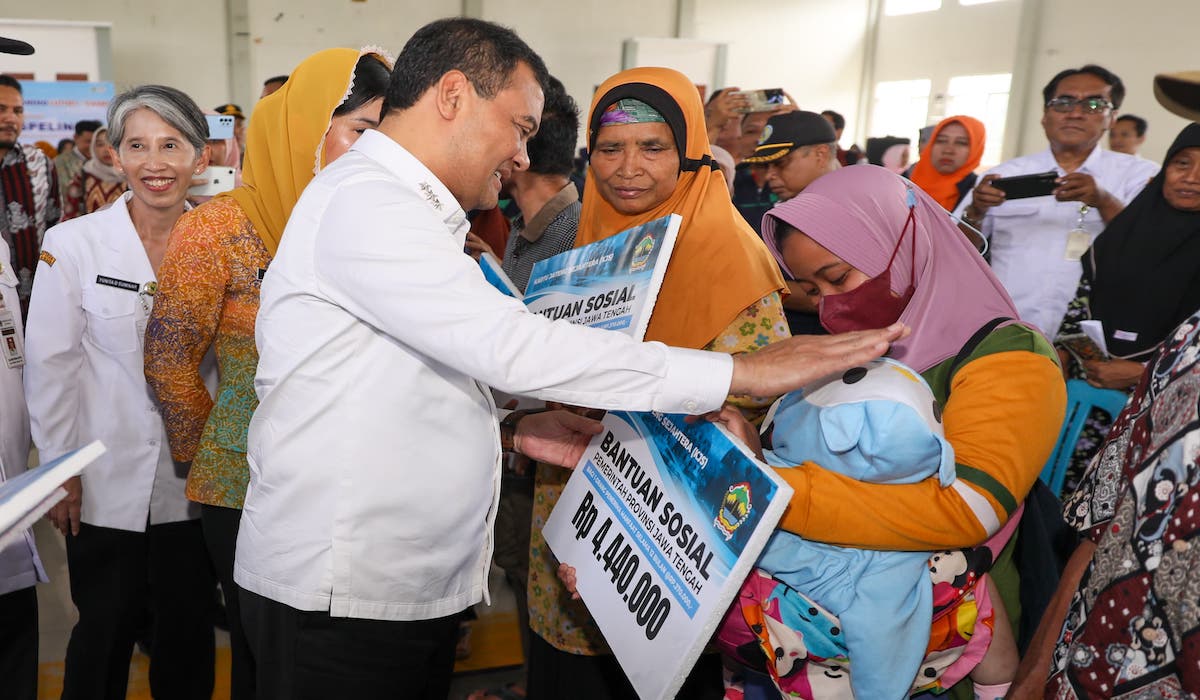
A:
x,y
84,379
1028,237
374,455
20,566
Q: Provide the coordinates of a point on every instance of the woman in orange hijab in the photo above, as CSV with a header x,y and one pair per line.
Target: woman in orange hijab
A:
x,y
650,157
946,170
209,284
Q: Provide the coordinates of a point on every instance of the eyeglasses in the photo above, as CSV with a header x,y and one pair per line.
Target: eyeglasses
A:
x,y
1091,105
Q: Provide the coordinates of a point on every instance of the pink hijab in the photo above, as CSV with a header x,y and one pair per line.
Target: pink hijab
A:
x,y
857,213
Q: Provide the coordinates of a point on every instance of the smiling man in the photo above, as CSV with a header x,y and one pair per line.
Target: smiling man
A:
x,y
1036,243
375,450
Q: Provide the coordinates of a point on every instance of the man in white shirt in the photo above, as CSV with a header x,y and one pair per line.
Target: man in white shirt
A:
x,y
1036,242
374,455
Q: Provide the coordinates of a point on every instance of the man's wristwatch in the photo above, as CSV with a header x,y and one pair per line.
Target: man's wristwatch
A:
x,y
508,428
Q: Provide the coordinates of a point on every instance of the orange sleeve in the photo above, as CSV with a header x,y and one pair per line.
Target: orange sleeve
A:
x,y
1002,418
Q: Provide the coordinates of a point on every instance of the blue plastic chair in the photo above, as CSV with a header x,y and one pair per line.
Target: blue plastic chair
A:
x,y
1081,399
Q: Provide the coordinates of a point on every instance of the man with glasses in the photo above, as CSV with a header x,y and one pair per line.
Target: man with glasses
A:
x,y
1036,242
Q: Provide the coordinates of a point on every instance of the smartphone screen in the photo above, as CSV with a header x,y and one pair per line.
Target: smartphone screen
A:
x,y
1025,186
763,100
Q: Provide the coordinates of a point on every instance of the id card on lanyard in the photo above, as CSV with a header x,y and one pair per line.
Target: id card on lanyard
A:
x,y
12,344
1078,239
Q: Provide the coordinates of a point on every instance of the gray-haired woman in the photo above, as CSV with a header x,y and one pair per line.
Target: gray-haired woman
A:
x,y
133,540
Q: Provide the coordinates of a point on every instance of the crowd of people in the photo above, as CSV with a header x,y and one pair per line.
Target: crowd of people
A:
x,y
314,402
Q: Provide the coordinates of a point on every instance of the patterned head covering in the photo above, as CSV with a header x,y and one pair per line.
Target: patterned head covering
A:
x,y
630,111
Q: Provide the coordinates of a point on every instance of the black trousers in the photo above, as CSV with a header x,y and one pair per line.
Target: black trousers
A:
x,y
302,655
19,644
556,674
115,576
220,535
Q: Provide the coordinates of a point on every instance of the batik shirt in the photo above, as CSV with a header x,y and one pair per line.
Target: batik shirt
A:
x,y
209,284
1133,625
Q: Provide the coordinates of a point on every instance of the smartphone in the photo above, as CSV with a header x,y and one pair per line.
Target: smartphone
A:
x,y
1024,186
762,100
220,179
220,126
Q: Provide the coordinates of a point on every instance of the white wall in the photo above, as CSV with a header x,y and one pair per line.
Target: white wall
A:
x,y
75,48
176,42
811,48
956,40
581,41
285,32
1133,41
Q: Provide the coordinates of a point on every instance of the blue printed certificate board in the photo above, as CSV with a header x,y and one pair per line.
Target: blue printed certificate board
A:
x,y
495,275
610,284
663,520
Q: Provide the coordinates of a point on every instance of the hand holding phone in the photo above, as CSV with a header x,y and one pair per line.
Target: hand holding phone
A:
x,y
220,126
762,100
218,179
1025,186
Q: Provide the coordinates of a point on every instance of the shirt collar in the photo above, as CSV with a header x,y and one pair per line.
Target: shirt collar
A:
x,y
117,213
16,153
413,173
1091,164
567,196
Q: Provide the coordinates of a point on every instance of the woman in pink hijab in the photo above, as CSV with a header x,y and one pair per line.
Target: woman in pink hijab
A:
x,y
872,248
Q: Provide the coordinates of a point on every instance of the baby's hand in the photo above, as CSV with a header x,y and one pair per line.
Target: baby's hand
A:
x,y
736,423
566,574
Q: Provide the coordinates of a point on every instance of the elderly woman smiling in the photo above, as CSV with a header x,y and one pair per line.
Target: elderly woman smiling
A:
x,y
133,540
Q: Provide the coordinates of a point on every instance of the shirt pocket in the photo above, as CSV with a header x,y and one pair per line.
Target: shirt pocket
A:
x,y
1014,211
111,318
8,288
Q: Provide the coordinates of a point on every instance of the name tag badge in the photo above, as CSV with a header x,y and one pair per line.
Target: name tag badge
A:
x,y
10,341
1129,336
1078,241
119,284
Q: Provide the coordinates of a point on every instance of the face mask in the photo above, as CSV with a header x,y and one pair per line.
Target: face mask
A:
x,y
872,304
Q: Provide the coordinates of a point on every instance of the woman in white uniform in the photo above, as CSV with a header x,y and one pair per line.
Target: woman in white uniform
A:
x,y
133,540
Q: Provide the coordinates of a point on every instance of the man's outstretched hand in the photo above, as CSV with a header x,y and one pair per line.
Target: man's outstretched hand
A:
x,y
555,437
801,360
